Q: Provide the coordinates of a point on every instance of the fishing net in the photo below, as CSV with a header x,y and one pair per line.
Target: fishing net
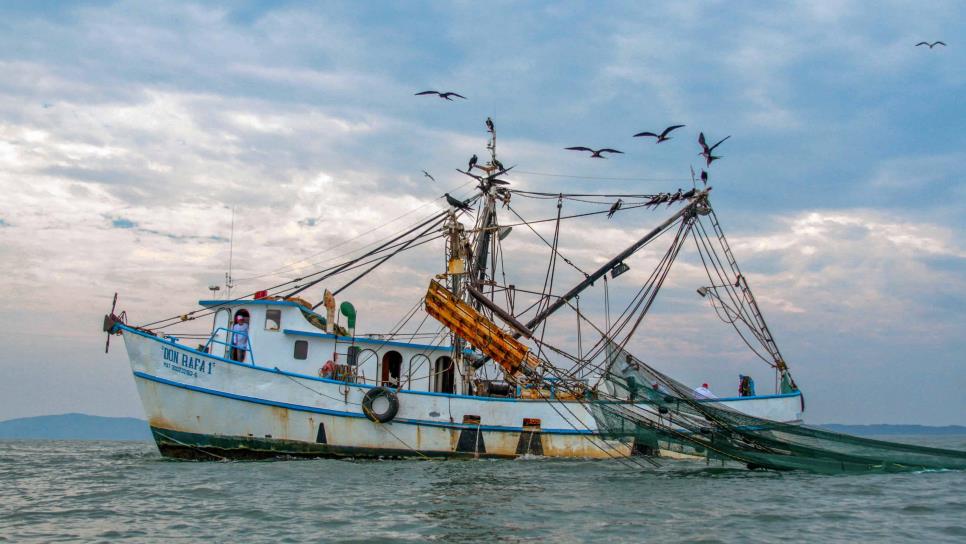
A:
x,y
667,417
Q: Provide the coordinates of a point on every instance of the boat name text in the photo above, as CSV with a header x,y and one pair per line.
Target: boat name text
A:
x,y
184,363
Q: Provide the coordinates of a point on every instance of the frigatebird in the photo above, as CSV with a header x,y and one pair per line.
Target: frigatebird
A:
x,y
595,154
445,95
457,203
706,151
473,160
704,177
613,209
425,173
931,45
499,165
489,124
660,137
654,200
675,197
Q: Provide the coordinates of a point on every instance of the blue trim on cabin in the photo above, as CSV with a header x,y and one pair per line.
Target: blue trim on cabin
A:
x,y
249,302
312,409
363,340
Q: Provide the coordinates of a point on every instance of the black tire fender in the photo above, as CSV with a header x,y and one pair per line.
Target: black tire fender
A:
x,y
389,413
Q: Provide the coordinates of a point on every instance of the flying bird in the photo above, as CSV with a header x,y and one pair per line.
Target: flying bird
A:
x,y
595,154
425,173
706,150
473,160
456,203
660,137
445,95
931,45
489,124
613,209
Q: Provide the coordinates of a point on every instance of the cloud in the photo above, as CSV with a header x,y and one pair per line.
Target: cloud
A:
x,y
839,187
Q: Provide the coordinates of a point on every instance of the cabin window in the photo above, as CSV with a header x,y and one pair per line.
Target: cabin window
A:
x,y
367,362
273,320
301,350
419,368
444,375
391,369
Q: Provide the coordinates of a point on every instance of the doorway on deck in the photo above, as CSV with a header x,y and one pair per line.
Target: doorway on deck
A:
x,y
391,369
444,375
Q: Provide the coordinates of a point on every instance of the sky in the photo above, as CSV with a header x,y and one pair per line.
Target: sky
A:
x,y
129,132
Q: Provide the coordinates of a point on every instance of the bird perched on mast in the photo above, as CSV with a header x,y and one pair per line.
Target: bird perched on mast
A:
x,y
473,160
489,124
458,204
614,207
660,137
595,154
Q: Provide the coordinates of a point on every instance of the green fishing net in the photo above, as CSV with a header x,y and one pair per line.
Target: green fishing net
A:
x,y
665,418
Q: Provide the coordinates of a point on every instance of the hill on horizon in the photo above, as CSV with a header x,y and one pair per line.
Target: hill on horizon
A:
x,y
75,426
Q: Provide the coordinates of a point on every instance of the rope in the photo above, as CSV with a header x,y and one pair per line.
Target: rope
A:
x,y
548,174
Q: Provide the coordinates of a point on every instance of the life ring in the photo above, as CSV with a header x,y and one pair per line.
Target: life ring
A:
x,y
385,410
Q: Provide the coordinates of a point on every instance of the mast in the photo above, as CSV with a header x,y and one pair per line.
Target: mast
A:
x,y
488,222
229,281
473,259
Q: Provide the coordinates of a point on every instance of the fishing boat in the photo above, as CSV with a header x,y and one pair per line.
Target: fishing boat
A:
x,y
273,374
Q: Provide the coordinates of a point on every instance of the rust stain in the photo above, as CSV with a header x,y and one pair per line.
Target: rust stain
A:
x,y
162,423
281,418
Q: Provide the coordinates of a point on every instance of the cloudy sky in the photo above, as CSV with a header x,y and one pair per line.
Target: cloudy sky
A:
x,y
129,131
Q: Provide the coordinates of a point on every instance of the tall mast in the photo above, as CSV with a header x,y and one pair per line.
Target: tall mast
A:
x,y
475,255
487,223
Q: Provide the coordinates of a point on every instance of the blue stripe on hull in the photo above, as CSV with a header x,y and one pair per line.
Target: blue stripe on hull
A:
x,y
340,413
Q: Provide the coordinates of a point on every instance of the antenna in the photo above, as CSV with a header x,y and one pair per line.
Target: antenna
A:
x,y
231,249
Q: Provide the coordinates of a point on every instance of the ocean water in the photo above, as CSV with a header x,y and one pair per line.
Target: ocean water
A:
x,y
62,491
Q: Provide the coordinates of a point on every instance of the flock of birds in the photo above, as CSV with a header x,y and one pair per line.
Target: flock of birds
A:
x,y
707,151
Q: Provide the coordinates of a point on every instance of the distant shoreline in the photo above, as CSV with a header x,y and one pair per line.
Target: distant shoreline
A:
x,y
885,429
76,427
86,427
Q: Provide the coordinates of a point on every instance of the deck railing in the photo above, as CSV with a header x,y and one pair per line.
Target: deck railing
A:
x,y
229,335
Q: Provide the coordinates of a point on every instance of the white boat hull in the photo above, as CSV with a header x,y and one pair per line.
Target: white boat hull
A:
x,y
202,406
